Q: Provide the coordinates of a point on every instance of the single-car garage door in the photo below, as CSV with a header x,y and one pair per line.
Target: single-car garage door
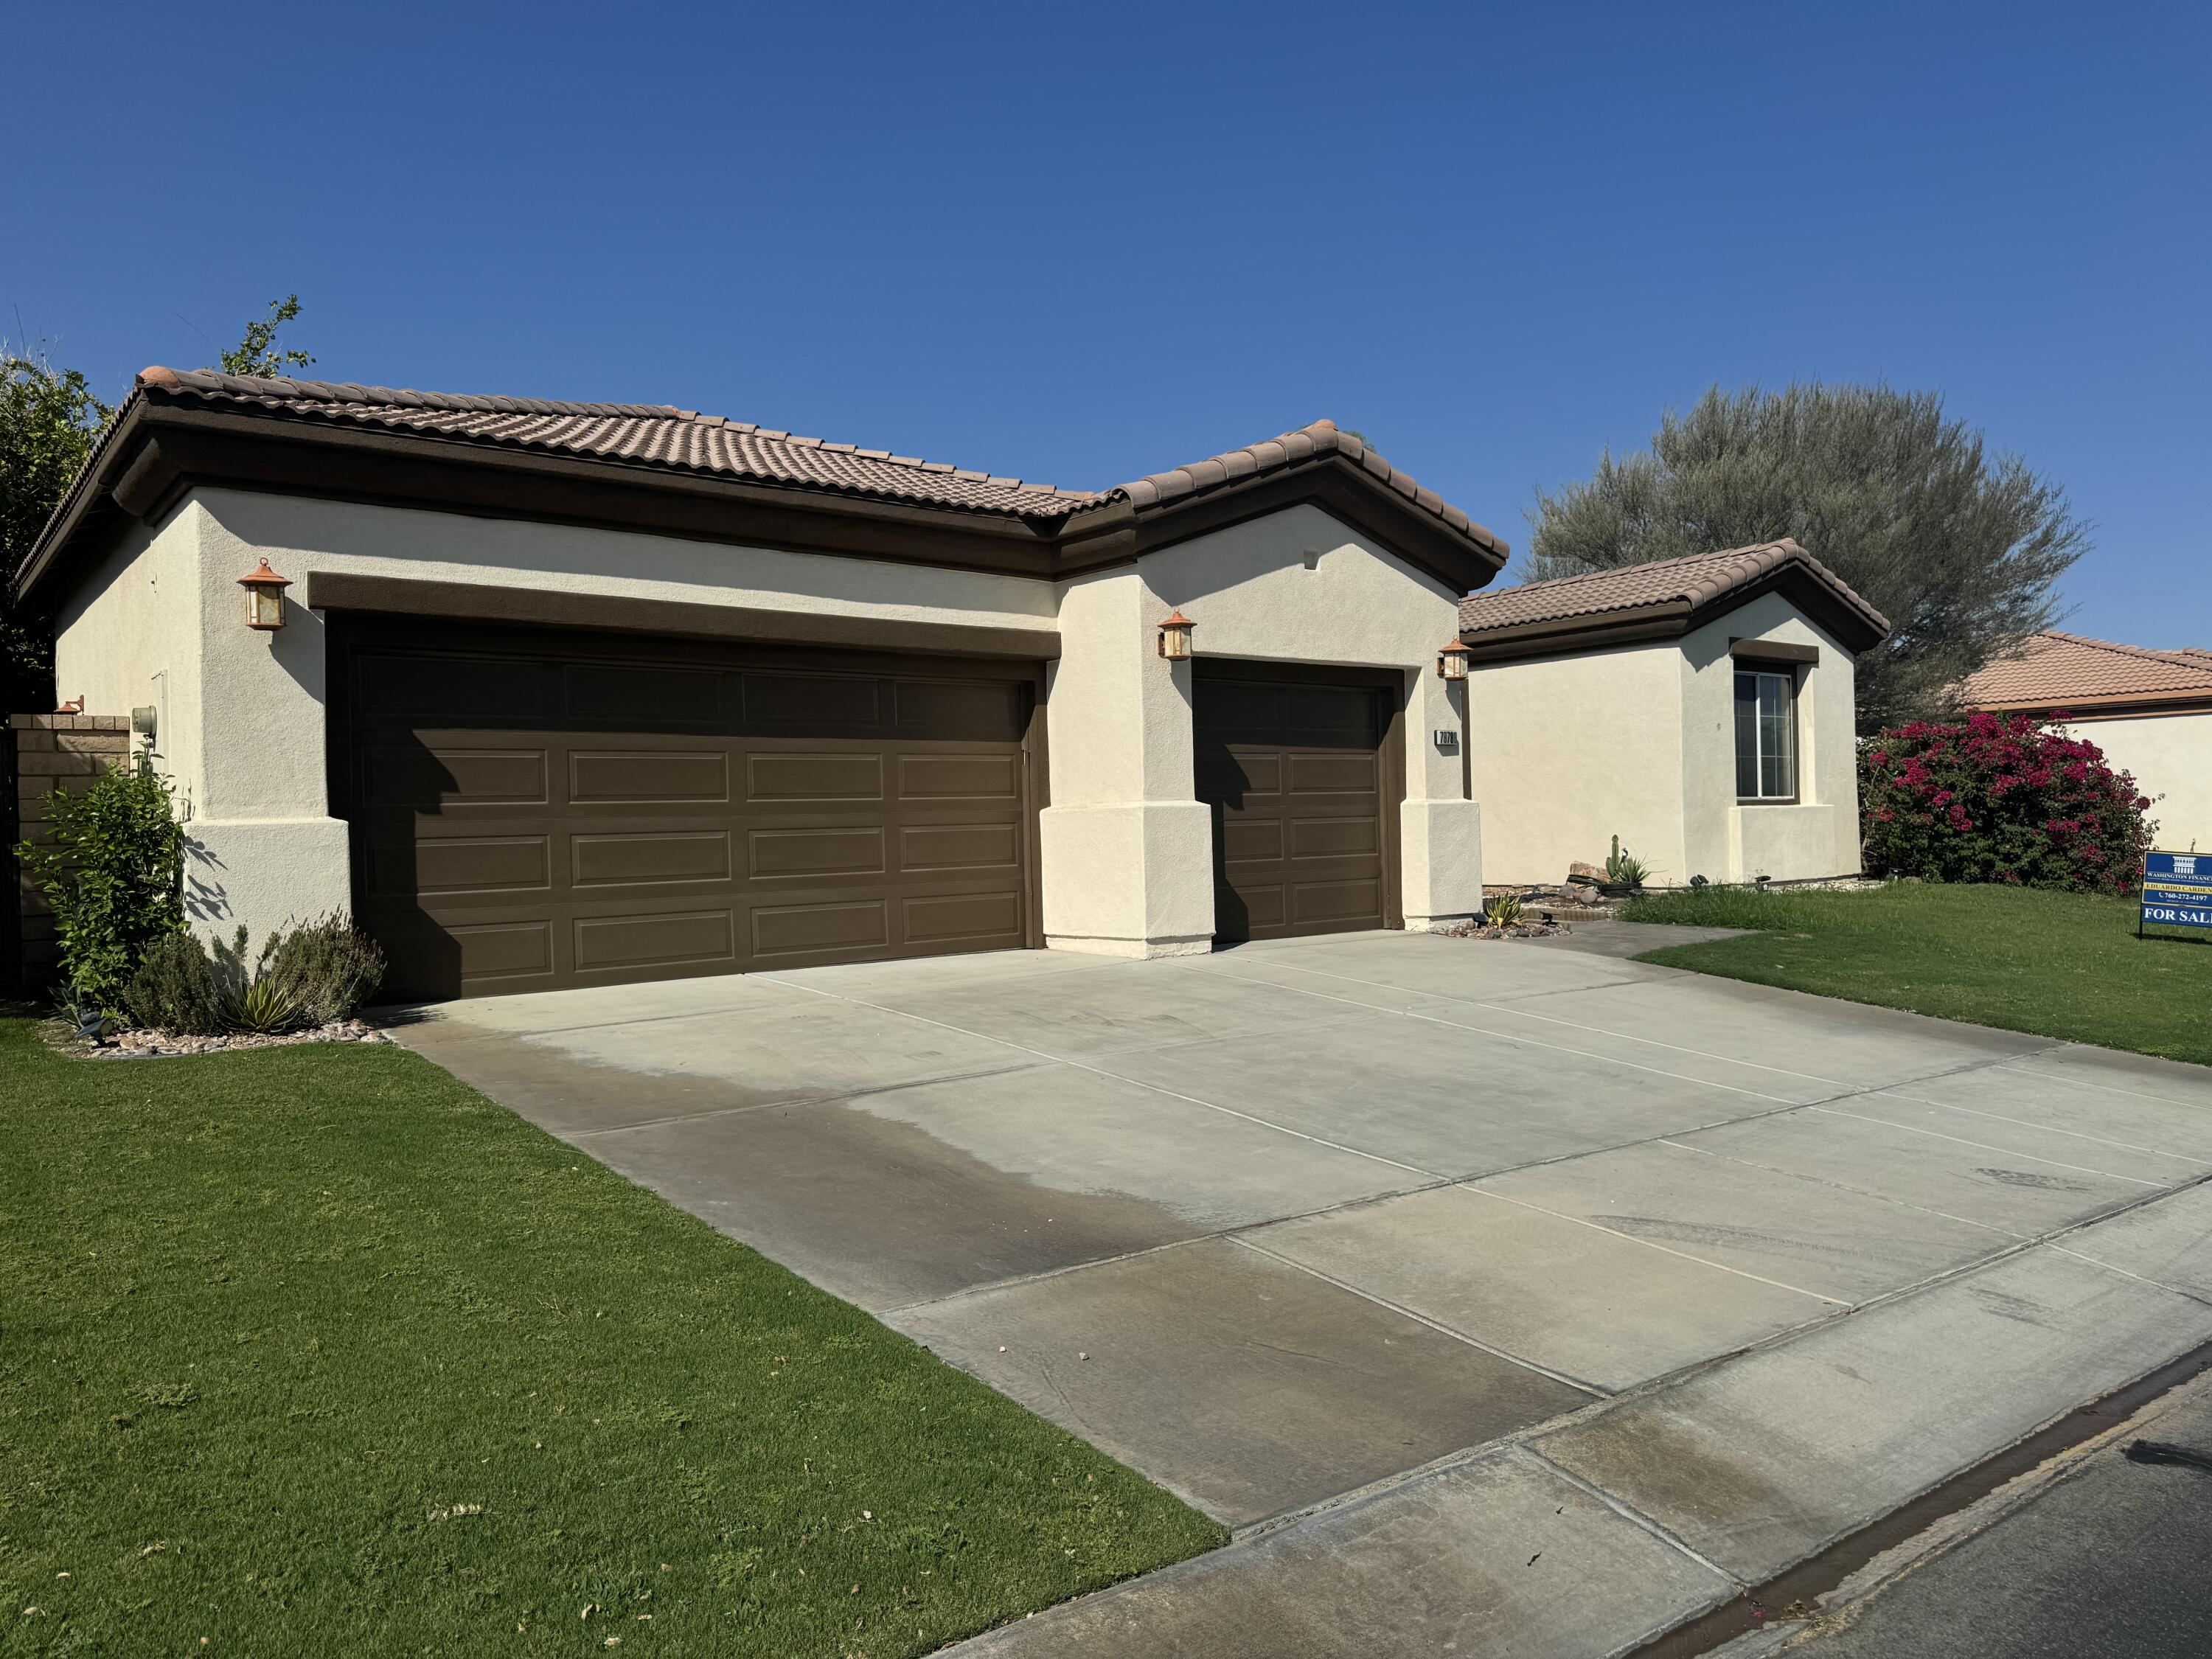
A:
x,y
1300,766
534,811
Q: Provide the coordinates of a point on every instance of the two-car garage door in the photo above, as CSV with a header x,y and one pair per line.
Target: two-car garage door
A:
x,y
535,811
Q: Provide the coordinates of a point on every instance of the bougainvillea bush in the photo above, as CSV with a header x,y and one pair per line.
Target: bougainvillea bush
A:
x,y
1999,798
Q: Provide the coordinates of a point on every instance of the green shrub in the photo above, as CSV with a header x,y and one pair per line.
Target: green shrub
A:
x,y
114,875
328,967
174,989
1503,911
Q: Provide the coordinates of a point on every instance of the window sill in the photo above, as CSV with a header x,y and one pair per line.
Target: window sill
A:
x,y
1768,800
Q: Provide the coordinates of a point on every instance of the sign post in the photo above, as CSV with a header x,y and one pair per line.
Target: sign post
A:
x,y
2177,891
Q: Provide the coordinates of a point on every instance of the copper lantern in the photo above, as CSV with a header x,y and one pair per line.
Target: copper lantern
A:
x,y
265,598
1451,661
1174,636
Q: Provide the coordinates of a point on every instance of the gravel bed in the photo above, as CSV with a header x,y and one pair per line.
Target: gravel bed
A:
x,y
158,1045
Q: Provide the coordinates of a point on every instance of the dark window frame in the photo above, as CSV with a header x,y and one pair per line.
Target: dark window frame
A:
x,y
1791,672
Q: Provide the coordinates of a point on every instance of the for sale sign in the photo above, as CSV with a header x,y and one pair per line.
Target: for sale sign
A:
x,y
2177,889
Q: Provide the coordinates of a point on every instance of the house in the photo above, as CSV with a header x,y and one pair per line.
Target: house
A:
x,y
2149,711
1701,709
552,694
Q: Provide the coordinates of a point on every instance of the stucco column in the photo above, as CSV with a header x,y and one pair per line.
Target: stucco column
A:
x,y
261,846
1127,846
1439,829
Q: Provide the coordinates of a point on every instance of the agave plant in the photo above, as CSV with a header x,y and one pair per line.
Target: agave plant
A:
x,y
1503,911
251,996
1623,868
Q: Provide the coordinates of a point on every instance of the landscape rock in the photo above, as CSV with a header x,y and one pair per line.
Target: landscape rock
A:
x,y
141,1044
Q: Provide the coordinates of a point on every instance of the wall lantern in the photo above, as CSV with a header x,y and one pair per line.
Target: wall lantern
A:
x,y
1174,636
1451,661
265,598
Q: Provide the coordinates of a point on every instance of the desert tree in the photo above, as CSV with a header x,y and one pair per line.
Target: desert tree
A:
x,y
1961,548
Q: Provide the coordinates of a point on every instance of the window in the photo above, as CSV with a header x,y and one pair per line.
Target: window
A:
x,y
1765,734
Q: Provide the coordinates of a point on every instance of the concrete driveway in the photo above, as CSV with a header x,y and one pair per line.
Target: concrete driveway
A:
x,y
1506,1298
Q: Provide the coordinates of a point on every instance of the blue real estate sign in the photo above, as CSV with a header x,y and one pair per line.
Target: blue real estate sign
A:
x,y
2177,889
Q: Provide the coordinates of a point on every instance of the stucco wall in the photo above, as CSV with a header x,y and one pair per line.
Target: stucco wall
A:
x,y
1570,751
2171,756
130,638
1818,836
1639,742
1127,847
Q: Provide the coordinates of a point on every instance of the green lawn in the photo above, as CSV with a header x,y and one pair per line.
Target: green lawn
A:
x,y
316,1351
2058,964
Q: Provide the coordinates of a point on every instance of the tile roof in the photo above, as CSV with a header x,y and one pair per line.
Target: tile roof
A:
x,y
658,435
2071,671
653,434
1689,583
1321,438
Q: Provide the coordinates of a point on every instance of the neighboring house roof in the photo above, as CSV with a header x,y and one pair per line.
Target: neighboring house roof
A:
x,y
657,468
2072,672
1662,599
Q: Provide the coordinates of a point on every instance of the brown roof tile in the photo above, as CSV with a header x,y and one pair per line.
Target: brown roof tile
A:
x,y
1689,583
2071,671
659,435
650,434
1273,454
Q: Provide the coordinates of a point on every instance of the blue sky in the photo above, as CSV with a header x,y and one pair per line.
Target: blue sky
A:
x,y
1079,245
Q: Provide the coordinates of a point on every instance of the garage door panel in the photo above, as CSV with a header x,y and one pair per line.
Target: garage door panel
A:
x,y
1315,903
955,710
1318,714
977,920
485,864
1330,838
650,698
496,950
666,939
1244,840
1325,774
431,683
642,777
1232,776
857,924
1239,706
433,775
966,777
815,853
609,817
816,701
649,857
804,776
959,847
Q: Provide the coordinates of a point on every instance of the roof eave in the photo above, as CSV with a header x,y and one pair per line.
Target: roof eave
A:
x,y
2182,702
1851,626
160,450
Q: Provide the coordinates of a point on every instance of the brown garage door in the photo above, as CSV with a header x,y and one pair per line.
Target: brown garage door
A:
x,y
535,811
1299,764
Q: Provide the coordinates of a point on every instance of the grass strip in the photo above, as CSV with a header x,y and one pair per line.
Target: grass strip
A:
x,y
2066,965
